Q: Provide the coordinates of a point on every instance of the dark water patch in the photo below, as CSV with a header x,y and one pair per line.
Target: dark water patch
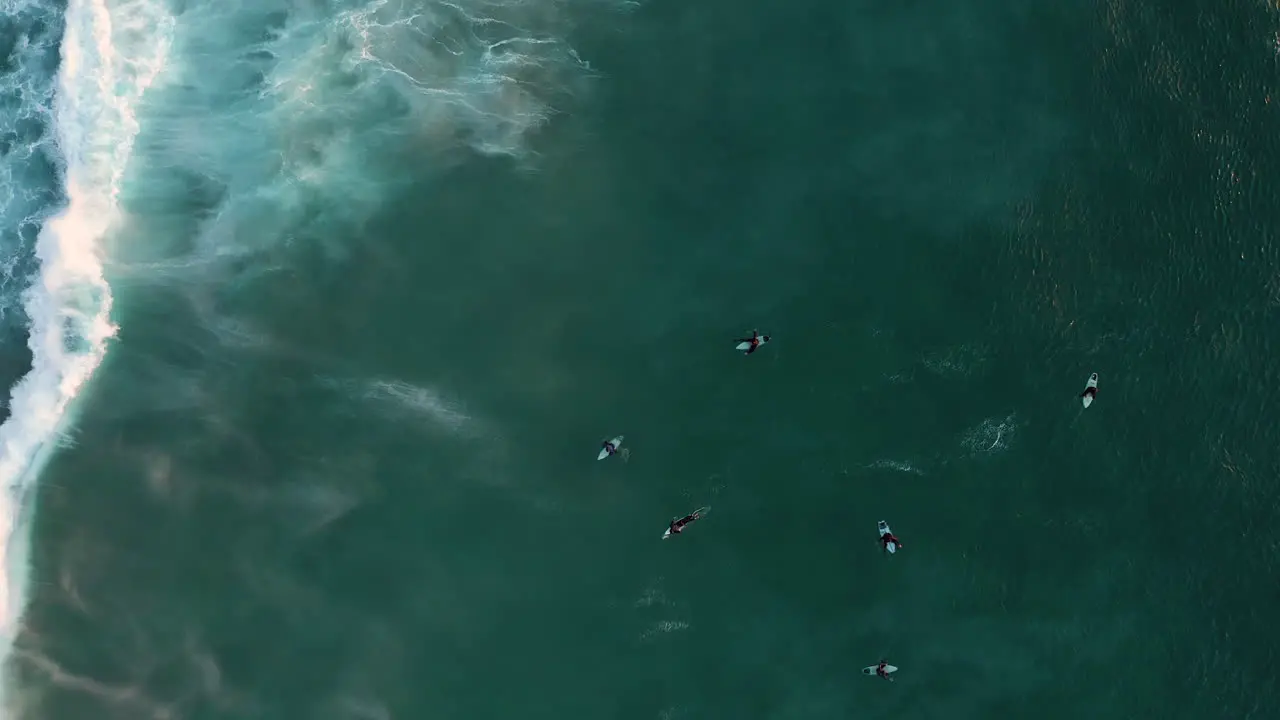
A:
x,y
937,126
1170,296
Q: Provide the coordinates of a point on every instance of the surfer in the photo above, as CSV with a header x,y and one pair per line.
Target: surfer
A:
x,y
1090,392
609,447
887,538
755,341
677,526
883,670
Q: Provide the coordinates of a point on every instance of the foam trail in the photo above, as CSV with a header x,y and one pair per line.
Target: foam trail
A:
x,y
109,58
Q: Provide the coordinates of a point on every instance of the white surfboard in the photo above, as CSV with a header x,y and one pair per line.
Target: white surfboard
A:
x,y
871,669
1093,383
883,527
744,346
617,443
700,512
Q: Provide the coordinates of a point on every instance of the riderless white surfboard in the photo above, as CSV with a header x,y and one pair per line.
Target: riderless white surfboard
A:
x,y
747,345
698,514
604,452
884,530
871,669
1087,399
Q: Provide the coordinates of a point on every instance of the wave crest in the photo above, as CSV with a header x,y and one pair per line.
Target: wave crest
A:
x,y
110,56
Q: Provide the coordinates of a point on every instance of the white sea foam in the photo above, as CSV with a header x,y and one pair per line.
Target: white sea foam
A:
x,y
110,56
899,465
992,436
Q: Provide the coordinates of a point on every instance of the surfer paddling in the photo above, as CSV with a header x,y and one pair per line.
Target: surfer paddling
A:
x,y
888,541
749,345
881,669
677,526
1090,390
609,447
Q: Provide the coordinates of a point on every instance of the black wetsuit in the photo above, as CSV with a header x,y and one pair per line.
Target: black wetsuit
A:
x,y
677,526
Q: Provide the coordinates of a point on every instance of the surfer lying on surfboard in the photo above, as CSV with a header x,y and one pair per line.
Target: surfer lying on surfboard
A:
x,y
609,447
885,539
677,526
883,670
1092,391
753,342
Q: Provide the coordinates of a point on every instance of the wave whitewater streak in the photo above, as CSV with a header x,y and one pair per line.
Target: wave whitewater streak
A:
x,y
68,302
279,122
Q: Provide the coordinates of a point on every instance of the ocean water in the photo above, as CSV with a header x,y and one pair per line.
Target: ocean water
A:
x,y
316,313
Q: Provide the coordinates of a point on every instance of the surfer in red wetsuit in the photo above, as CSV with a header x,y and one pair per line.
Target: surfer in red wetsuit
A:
x,y
883,670
887,538
756,340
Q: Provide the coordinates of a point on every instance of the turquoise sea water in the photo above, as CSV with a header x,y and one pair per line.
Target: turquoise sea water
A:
x,y
362,286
